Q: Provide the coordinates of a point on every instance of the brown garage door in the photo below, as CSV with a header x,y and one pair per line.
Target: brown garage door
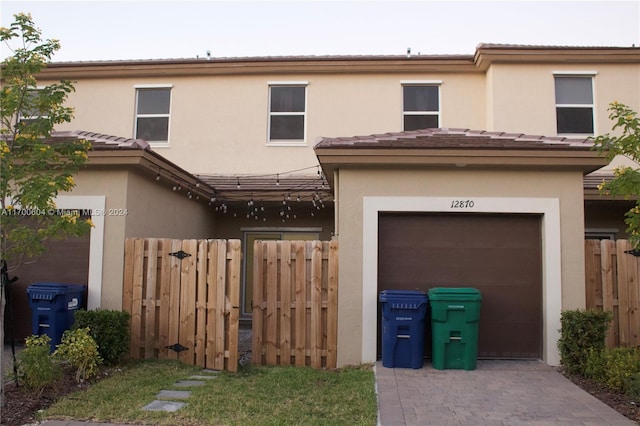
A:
x,y
499,254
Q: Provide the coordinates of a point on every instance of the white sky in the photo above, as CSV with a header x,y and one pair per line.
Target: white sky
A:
x,y
111,30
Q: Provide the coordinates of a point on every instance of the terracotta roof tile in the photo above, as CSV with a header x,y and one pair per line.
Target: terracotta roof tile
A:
x,y
452,138
101,141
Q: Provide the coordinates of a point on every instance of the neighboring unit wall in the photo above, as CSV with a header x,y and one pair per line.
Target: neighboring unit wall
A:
x,y
137,206
158,212
522,98
356,334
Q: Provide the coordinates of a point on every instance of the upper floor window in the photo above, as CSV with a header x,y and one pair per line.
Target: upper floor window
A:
x,y
421,106
152,113
574,104
287,111
30,111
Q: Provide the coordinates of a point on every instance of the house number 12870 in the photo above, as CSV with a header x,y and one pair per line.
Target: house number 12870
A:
x,y
462,204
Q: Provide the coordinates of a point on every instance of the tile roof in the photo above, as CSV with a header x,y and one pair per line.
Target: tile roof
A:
x,y
268,187
540,46
101,141
451,138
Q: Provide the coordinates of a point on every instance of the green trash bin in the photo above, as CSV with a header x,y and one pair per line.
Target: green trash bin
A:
x,y
455,313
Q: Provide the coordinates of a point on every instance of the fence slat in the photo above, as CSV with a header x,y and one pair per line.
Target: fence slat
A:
x,y
201,303
258,294
174,295
285,302
234,248
271,337
164,249
220,302
592,270
137,299
301,303
151,245
188,281
633,275
622,260
332,305
316,304
607,286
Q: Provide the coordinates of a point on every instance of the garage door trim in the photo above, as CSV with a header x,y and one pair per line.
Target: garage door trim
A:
x,y
549,208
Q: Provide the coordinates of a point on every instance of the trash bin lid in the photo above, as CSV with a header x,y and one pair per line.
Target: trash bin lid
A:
x,y
406,299
455,293
49,291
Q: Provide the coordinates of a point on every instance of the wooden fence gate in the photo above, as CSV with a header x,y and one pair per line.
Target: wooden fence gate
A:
x,y
612,284
295,303
184,298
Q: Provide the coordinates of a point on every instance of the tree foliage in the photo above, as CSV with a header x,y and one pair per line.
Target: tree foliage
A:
x,y
33,168
626,181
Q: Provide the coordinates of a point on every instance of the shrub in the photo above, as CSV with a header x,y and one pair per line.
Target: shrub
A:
x,y
581,332
35,366
110,330
81,351
632,387
613,367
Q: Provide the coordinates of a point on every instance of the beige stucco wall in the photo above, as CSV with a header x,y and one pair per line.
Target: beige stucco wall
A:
x,y
353,185
224,119
522,98
137,206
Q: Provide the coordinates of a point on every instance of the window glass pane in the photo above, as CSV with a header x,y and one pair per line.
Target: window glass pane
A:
x,y
287,127
153,129
575,120
574,90
153,101
287,99
420,98
415,122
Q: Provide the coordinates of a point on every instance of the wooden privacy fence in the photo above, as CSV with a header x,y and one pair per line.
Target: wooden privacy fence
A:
x,y
612,284
184,298
295,302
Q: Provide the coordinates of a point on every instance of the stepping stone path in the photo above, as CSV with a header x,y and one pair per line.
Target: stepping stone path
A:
x,y
165,398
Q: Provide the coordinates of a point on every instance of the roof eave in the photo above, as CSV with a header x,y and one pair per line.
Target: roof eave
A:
x,y
585,161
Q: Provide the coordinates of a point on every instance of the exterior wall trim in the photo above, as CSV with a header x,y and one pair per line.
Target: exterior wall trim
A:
x,y
549,208
96,204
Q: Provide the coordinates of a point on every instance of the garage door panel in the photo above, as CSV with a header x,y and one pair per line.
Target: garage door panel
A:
x,y
498,254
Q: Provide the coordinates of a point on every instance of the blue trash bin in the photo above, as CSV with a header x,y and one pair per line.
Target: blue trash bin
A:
x,y
53,307
403,328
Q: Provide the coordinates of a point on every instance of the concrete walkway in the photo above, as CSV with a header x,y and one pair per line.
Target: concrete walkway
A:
x,y
496,393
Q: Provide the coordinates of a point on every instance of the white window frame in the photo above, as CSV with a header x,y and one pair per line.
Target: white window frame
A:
x,y
138,88
32,117
433,83
287,142
592,105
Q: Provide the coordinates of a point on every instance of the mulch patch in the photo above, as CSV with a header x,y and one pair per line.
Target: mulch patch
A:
x,y
616,400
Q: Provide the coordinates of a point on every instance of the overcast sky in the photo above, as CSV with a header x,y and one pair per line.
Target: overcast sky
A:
x,y
111,30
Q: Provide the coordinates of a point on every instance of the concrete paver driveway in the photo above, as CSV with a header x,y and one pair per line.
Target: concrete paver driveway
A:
x,y
496,393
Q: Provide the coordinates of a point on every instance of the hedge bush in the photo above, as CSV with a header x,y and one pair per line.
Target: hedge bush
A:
x,y
110,330
80,350
616,368
36,368
582,331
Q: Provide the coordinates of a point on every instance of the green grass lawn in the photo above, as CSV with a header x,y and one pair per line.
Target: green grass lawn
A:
x,y
252,396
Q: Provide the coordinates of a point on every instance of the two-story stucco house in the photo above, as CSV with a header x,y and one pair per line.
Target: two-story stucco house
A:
x,y
461,170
